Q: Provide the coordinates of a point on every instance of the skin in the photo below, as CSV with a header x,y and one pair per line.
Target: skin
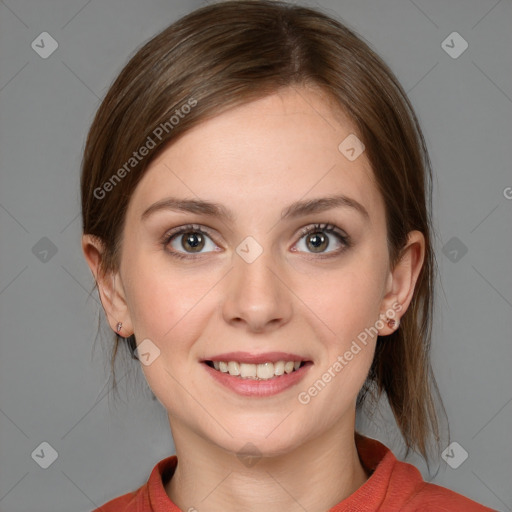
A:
x,y
256,160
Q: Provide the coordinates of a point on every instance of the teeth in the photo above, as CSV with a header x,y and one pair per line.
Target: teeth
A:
x,y
288,367
248,370
279,368
263,371
233,368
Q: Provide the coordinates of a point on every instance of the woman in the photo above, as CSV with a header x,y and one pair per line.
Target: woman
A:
x,y
255,192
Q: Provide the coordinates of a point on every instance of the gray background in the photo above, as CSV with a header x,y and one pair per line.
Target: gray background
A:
x,y
53,377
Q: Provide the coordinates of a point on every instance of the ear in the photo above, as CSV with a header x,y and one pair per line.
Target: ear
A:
x,y
110,287
402,281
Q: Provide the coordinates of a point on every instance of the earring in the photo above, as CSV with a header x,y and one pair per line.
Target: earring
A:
x,y
119,325
393,324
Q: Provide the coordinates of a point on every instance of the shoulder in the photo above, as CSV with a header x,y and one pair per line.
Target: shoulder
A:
x,y
125,503
426,497
434,497
400,486
397,486
148,497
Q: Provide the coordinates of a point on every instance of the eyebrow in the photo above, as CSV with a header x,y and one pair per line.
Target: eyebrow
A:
x,y
295,210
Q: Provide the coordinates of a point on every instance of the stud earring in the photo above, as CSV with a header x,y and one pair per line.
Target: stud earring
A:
x,y
119,325
393,324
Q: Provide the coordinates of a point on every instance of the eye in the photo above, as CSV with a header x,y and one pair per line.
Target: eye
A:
x,y
190,241
186,241
316,239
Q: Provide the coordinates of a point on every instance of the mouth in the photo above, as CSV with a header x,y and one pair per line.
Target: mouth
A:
x,y
257,375
268,370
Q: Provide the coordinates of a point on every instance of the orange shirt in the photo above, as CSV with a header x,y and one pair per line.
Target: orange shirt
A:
x,y
393,486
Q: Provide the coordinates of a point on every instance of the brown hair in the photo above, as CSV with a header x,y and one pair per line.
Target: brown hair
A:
x,y
230,53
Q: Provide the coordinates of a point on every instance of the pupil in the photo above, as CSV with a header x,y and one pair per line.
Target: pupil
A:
x,y
194,241
316,240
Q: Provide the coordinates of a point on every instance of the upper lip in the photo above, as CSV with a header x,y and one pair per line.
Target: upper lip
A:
x,y
250,358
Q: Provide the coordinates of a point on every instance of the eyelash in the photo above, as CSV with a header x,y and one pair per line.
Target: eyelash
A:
x,y
194,228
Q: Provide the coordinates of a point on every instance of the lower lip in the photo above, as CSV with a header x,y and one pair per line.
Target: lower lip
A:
x,y
253,387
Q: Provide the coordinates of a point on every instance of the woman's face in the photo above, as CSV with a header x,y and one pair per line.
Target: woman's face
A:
x,y
247,283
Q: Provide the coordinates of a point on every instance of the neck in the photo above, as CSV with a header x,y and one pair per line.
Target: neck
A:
x,y
314,477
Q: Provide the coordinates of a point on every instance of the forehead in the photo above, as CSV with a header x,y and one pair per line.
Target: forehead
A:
x,y
263,155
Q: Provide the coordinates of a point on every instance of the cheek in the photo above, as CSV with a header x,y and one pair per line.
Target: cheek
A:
x,y
171,310
347,300
349,307
162,299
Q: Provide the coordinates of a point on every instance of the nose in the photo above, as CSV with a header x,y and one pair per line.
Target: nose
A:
x,y
257,296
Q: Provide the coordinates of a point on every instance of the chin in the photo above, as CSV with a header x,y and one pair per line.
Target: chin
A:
x,y
259,439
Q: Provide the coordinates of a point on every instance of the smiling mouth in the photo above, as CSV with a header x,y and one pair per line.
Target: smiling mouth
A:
x,y
262,371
